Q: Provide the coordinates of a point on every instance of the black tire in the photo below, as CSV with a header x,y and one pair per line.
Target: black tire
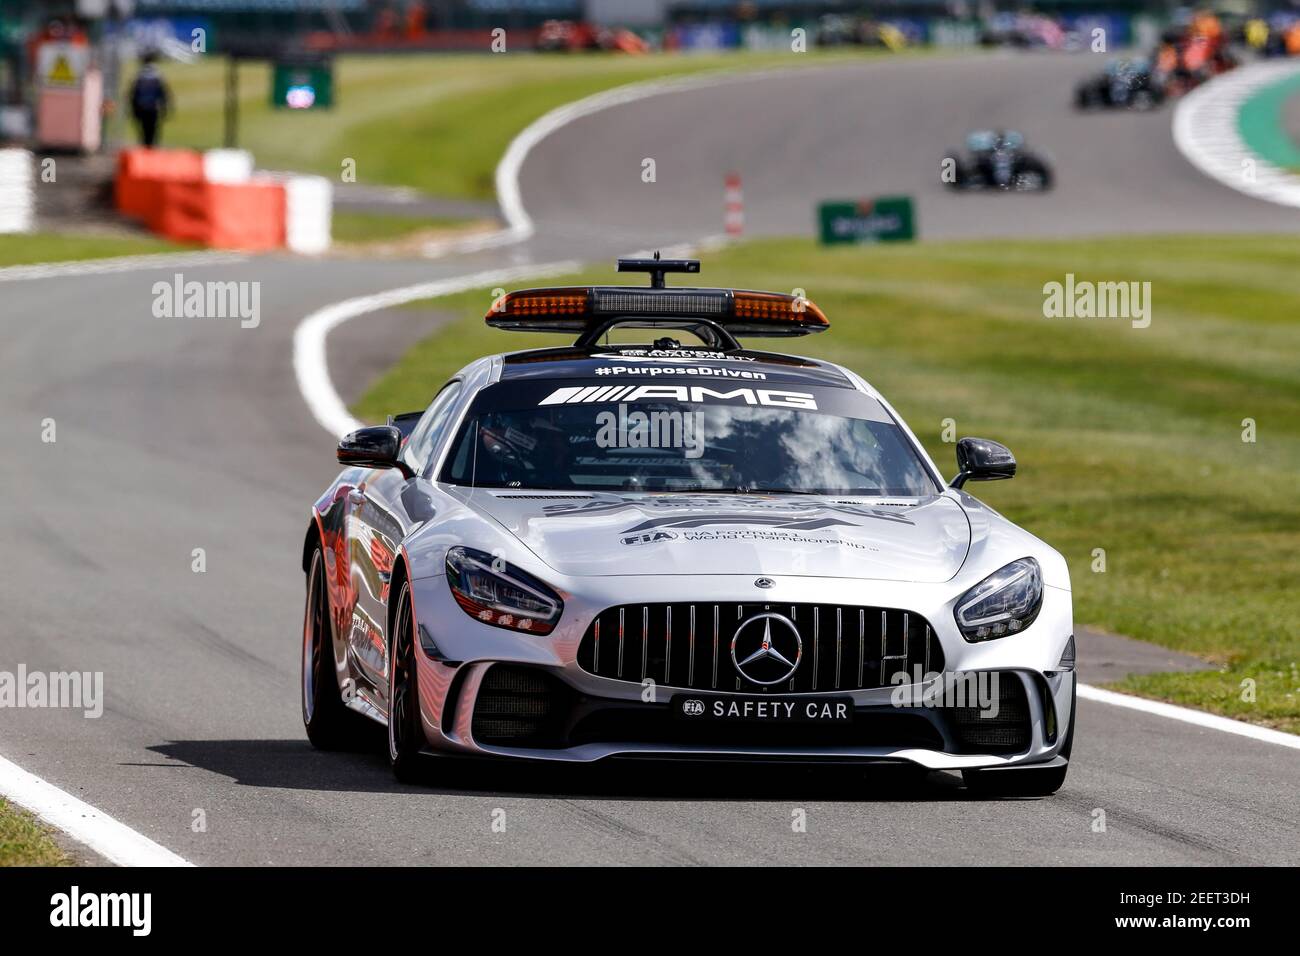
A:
x,y
961,174
1026,781
405,734
1143,101
1032,176
327,720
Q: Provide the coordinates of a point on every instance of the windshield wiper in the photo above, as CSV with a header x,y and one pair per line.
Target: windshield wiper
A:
x,y
780,491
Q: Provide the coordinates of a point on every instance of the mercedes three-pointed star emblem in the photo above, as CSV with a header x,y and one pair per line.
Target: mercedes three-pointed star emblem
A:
x,y
776,650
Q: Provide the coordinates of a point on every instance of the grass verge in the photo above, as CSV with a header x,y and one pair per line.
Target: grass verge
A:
x,y
1130,440
403,119
347,226
26,842
21,250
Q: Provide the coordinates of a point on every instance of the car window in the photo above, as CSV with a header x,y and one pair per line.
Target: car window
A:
x,y
424,438
555,435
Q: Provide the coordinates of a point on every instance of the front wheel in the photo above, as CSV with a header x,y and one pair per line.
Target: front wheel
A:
x,y
405,734
1032,176
1143,101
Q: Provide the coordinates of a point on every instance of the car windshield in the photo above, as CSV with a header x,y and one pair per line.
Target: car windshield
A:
x,y
724,438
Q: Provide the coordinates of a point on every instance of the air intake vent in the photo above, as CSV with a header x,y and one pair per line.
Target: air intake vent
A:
x,y
880,504
519,707
547,497
1066,662
1005,733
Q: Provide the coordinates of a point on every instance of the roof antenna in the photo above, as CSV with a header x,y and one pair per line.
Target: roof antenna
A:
x,y
658,268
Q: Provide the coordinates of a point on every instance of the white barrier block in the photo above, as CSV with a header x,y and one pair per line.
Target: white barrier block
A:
x,y
309,202
231,166
17,195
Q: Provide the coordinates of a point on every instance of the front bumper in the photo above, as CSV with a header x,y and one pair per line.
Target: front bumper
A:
x,y
591,718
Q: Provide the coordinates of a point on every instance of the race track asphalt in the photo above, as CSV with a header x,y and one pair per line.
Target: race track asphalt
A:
x,y
180,434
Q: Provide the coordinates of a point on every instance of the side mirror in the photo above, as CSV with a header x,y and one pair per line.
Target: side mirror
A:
x,y
979,459
374,447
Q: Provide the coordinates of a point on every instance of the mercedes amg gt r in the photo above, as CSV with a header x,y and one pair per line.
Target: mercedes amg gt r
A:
x,y
685,551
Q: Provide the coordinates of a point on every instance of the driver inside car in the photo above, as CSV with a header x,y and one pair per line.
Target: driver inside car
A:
x,y
510,456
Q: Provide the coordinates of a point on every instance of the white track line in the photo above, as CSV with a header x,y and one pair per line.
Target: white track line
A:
x,y
1205,132
95,267
309,359
1189,716
519,225
110,839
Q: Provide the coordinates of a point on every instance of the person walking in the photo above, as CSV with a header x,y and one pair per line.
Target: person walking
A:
x,y
150,99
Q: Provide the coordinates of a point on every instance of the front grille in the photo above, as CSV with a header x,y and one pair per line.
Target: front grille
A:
x,y
520,706
1007,733
689,645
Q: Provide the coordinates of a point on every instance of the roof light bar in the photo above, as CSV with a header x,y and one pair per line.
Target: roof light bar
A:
x,y
707,303
594,311
547,303
774,307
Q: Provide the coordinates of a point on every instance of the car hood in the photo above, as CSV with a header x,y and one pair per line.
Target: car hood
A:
x,y
909,539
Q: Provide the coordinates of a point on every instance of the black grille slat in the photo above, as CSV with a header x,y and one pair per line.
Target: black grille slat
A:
x,y
903,642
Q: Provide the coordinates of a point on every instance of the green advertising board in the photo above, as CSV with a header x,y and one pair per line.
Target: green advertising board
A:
x,y
302,86
886,219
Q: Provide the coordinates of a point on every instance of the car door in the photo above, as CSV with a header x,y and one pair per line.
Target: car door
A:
x,y
384,509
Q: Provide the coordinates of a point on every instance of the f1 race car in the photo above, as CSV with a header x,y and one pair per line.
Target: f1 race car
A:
x,y
997,159
838,30
1127,84
680,551
568,36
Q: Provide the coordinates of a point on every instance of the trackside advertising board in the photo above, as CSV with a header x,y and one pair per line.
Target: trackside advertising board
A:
x,y
302,86
885,219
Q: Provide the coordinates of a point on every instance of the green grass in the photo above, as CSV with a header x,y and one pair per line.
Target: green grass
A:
x,y
19,250
378,227
25,842
1128,439
438,123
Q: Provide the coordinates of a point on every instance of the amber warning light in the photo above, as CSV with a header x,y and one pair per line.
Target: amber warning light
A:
x,y
587,309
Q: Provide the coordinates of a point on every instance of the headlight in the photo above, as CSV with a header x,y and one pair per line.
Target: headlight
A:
x,y
494,592
1005,602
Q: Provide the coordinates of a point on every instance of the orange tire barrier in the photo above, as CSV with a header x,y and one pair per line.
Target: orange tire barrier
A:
x,y
141,174
247,216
